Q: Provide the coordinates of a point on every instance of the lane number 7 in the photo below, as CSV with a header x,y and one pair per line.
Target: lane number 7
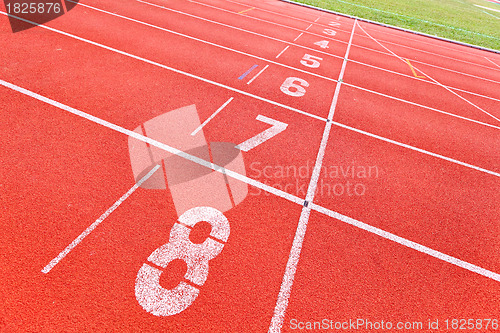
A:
x,y
276,128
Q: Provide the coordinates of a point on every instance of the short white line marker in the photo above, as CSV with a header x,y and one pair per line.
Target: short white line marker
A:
x,y
309,27
212,116
286,48
298,36
94,225
293,259
249,181
317,19
257,75
492,62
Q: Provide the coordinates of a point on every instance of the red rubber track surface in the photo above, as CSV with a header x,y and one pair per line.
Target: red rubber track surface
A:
x,y
417,157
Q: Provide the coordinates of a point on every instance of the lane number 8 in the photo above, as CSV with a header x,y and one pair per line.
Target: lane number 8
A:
x,y
164,302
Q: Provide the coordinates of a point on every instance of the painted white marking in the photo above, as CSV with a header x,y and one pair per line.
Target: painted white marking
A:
x,y
492,62
437,82
172,69
294,86
278,13
276,128
495,10
298,36
405,242
422,106
311,61
330,32
212,116
332,55
397,143
258,74
293,259
201,40
309,27
94,225
172,150
316,20
286,48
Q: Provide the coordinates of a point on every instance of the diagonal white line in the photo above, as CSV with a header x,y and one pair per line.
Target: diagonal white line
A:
x,y
94,225
212,116
437,82
293,259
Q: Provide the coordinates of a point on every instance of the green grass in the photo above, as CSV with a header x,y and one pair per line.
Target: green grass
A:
x,y
454,19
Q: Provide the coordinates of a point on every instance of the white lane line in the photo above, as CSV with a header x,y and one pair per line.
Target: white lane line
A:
x,y
154,63
405,242
426,152
203,41
421,106
172,150
293,259
329,54
94,225
258,74
492,62
309,27
422,80
286,48
495,10
439,83
212,116
278,13
298,37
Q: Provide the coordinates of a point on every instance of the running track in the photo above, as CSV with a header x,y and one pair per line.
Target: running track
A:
x,y
411,235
